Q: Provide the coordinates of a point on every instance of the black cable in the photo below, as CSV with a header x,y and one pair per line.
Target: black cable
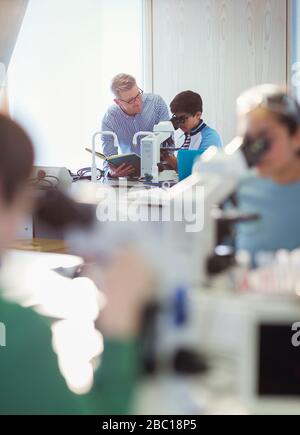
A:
x,y
86,174
43,181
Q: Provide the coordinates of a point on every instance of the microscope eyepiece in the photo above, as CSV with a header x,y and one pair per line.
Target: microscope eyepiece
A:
x,y
254,149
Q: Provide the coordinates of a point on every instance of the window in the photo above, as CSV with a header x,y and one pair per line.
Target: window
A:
x,y
59,77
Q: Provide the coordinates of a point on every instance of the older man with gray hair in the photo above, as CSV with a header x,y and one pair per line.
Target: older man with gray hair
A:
x,y
133,111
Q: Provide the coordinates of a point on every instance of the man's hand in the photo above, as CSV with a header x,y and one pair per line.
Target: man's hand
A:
x,y
121,171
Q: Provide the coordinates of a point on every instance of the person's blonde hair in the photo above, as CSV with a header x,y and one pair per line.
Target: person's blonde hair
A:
x,y
122,82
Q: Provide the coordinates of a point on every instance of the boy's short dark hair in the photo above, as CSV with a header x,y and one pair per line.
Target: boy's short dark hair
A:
x,y
16,158
187,102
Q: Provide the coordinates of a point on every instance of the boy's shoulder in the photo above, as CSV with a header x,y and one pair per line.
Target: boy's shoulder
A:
x,y
209,133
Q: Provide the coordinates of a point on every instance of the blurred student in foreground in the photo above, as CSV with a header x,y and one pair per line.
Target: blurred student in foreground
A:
x,y
31,382
273,192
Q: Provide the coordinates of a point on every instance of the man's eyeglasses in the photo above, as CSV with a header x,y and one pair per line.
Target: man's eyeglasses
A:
x,y
134,99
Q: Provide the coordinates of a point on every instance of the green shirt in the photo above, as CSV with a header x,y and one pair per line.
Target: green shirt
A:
x,y
31,383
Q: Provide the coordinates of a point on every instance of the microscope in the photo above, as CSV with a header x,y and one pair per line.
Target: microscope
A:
x,y
195,319
214,180
150,152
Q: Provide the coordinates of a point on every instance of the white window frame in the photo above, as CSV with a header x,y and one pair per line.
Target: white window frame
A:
x,y
147,44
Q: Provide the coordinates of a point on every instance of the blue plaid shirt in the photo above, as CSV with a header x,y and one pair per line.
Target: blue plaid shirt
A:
x,y
125,126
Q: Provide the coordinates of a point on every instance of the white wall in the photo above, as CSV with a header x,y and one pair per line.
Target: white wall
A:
x,y
218,48
295,46
59,77
68,50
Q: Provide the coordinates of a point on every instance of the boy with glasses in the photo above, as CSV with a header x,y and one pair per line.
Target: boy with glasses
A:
x,y
133,111
187,109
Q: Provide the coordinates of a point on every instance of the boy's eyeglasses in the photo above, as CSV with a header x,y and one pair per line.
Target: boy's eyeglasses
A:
x,y
177,121
180,119
134,99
